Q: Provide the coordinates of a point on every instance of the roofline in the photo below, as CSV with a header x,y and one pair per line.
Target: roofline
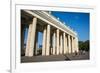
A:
x,y
51,20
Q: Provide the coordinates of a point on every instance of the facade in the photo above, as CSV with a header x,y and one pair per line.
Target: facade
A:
x,y
57,38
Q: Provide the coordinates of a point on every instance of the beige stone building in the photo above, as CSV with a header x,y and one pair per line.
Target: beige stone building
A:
x,y
57,37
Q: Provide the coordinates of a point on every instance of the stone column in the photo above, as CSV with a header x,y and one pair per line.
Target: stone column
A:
x,y
44,42
51,44
73,49
31,38
61,44
57,41
48,40
64,43
28,40
69,44
54,42
36,43
76,44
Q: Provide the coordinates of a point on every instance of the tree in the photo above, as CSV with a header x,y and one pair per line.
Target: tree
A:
x,y
84,45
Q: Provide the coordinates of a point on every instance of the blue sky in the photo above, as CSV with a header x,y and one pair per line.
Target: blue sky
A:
x,y
79,22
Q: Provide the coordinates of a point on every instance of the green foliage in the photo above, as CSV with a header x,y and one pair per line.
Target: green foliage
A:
x,y
84,45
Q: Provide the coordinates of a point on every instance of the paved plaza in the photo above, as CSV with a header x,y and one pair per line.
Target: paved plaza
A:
x,y
68,57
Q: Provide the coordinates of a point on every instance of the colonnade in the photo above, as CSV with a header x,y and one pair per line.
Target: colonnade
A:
x,y
62,42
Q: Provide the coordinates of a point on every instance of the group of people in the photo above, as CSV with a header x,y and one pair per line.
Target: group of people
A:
x,y
81,52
